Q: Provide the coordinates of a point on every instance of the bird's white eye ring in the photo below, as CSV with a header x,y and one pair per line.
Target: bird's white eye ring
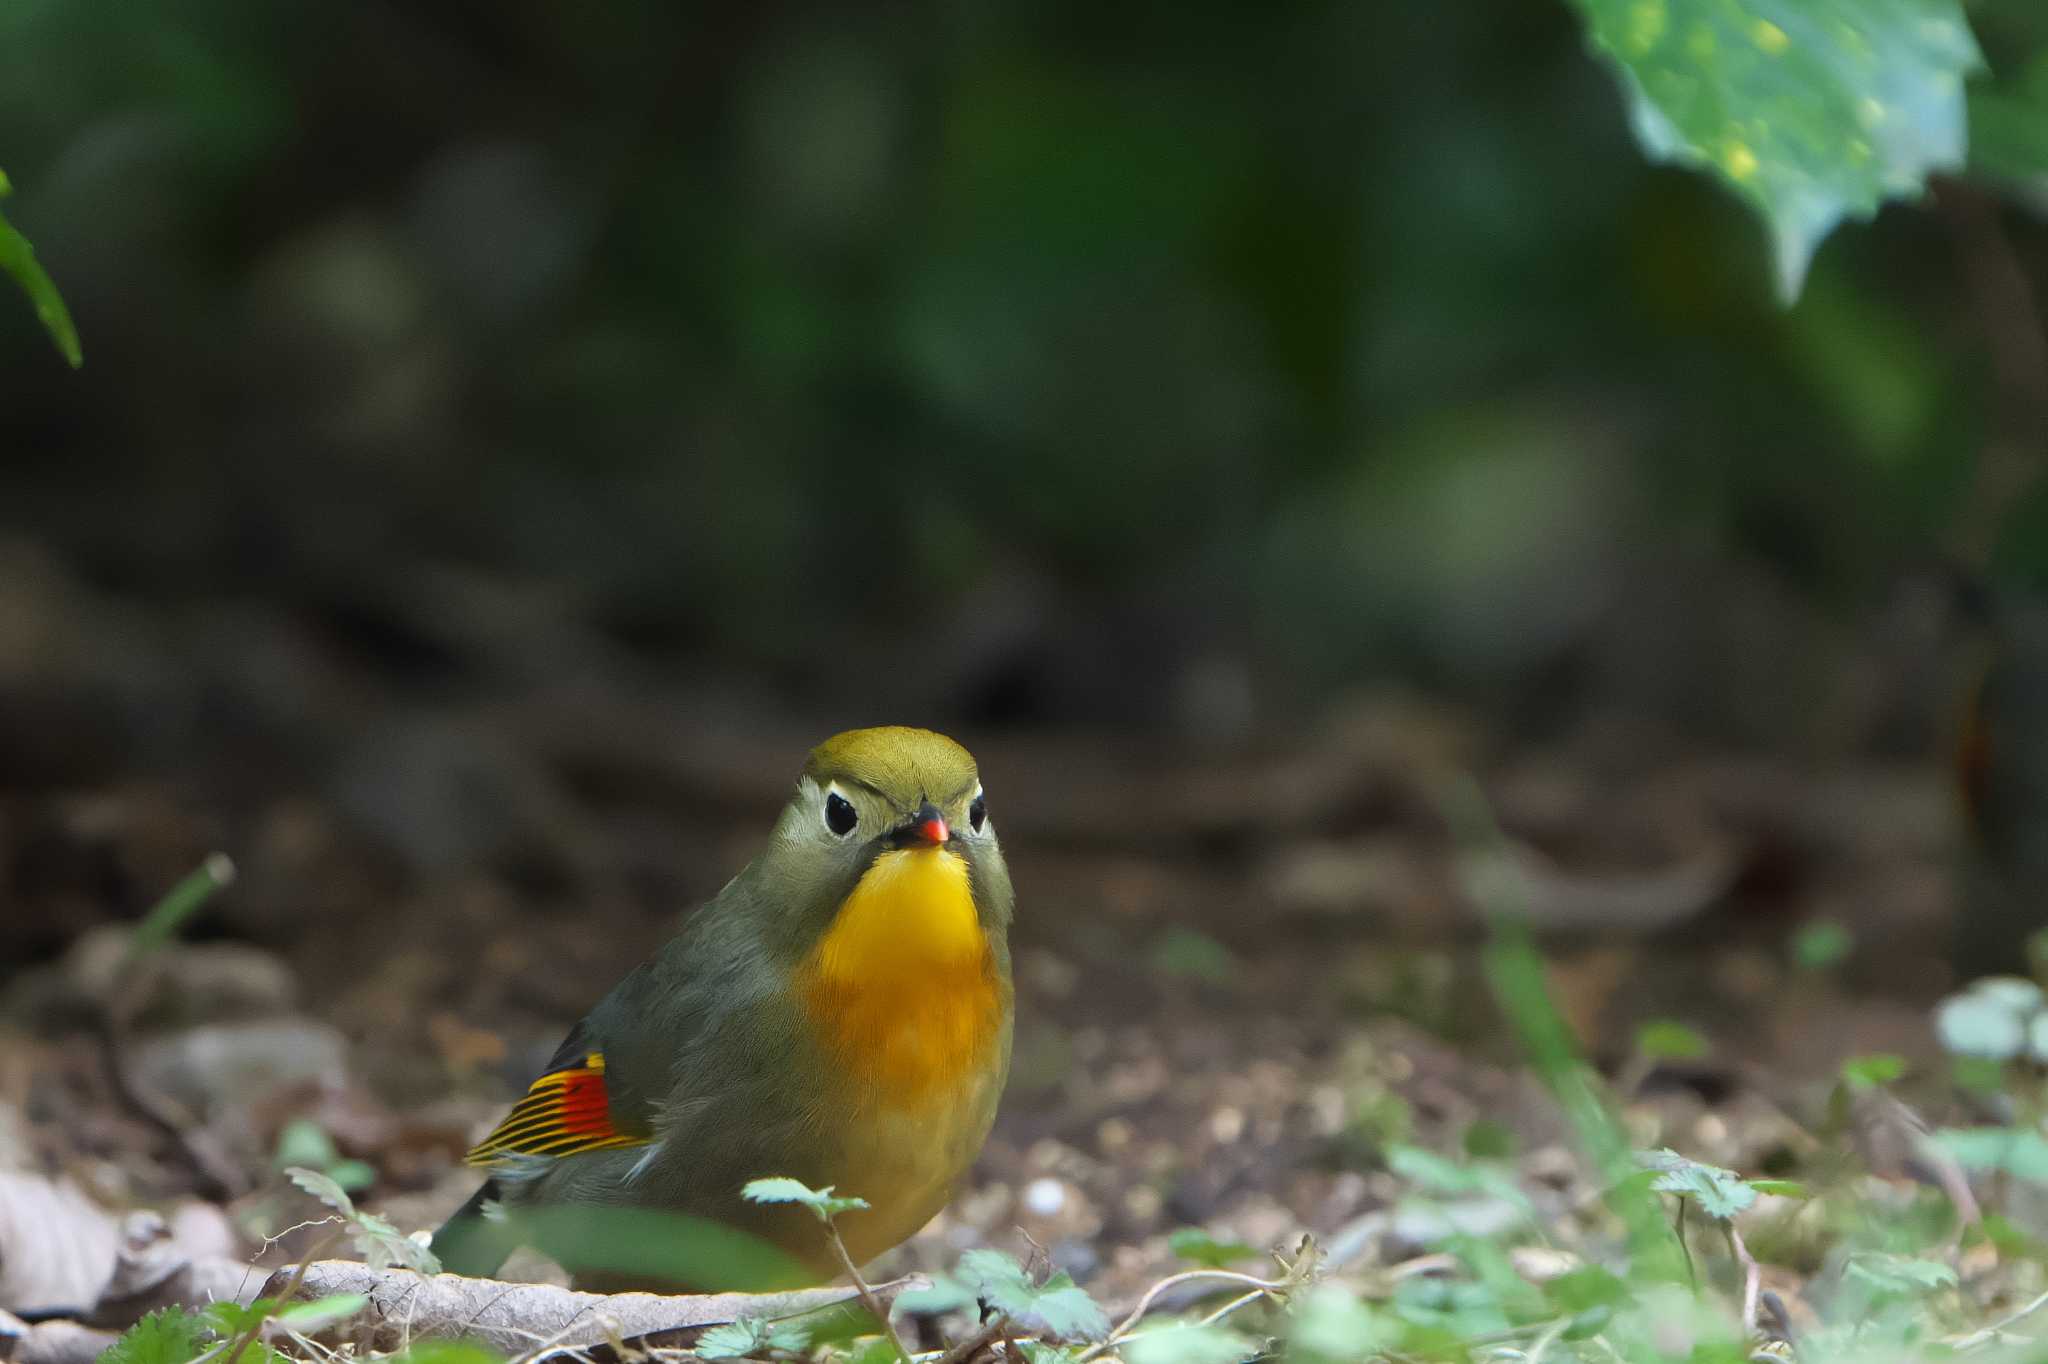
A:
x,y
840,816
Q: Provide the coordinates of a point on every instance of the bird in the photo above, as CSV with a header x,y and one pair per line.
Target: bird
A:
x,y
840,1013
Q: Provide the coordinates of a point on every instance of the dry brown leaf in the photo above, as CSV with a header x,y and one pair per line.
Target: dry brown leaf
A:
x,y
516,1318
57,1247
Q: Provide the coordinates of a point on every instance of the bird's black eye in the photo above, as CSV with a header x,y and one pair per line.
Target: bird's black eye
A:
x,y
839,814
977,813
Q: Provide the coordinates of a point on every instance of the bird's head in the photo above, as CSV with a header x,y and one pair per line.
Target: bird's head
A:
x,y
893,823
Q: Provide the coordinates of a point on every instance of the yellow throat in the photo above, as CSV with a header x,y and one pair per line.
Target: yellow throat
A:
x,y
902,987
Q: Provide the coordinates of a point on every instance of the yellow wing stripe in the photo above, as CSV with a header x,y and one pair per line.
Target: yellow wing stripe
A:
x,y
565,1113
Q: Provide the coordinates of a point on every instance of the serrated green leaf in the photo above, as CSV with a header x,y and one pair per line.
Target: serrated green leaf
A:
x,y
18,259
323,1187
227,1317
1810,110
1057,1307
1666,1039
383,1245
782,1189
169,1335
751,1335
1720,1193
1193,1243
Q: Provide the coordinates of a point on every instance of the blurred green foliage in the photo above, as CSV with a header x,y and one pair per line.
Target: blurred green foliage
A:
x,y
1340,336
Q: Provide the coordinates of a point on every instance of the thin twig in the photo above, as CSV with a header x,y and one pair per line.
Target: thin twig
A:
x,y
867,1294
248,1334
1752,1276
1172,1280
1991,1333
1542,1343
976,1343
1227,1308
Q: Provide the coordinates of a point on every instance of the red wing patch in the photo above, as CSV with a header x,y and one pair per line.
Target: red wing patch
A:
x,y
565,1113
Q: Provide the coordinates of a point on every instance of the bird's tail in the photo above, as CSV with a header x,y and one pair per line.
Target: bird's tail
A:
x,y
472,1242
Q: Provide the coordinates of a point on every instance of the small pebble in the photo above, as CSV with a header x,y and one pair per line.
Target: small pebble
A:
x,y
1045,1197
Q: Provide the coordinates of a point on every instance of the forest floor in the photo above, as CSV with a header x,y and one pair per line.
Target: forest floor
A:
x,y
1248,978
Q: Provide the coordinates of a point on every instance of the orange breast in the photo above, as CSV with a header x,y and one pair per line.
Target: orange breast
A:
x,y
902,989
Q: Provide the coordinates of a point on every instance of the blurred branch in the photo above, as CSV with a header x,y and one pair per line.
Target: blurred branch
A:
x,y
2012,463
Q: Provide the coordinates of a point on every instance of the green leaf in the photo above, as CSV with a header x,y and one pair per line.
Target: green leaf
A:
x,y
18,259
2020,1151
1873,1071
1187,1343
1193,1243
1811,110
946,1294
1035,1352
1666,1039
324,1188
1821,944
1988,1020
1434,1174
308,1317
353,1175
1333,1324
382,1245
1720,1193
1780,1188
443,1352
1585,1289
1057,1307
751,1335
1978,1075
782,1189
379,1243
169,1335
1193,956
304,1142
1898,1276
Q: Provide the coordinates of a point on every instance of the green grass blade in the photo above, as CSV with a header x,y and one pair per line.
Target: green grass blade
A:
x,y
18,258
185,899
